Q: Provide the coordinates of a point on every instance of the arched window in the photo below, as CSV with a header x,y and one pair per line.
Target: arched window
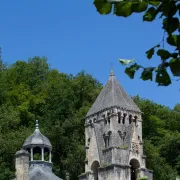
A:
x,y
135,119
124,118
105,140
29,150
130,119
120,134
108,140
89,141
37,153
124,135
94,167
94,120
119,117
105,121
134,163
103,116
46,154
108,117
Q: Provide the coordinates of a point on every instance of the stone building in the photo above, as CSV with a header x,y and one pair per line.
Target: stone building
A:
x,y
113,135
33,161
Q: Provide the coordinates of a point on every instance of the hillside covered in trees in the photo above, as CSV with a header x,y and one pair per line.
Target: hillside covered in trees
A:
x,y
31,90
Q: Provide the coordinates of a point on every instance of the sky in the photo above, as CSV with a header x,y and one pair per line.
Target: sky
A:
x,y
75,37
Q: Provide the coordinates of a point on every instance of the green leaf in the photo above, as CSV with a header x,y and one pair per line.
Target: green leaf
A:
x,y
163,54
139,6
174,40
171,40
150,52
147,73
125,61
162,78
169,8
175,66
150,14
102,6
130,71
174,55
123,9
170,25
154,3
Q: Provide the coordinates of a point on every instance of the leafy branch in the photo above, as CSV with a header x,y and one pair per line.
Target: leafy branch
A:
x,y
168,11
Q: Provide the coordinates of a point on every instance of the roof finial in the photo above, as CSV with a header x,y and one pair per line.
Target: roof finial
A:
x,y
37,124
112,73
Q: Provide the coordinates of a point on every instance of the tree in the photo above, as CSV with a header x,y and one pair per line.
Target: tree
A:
x,y
60,102
31,90
161,169
168,11
161,135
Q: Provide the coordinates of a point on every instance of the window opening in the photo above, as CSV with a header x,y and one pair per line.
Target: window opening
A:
x,y
119,117
124,118
130,119
109,118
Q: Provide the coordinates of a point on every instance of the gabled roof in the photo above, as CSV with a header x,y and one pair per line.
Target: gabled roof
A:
x,y
112,95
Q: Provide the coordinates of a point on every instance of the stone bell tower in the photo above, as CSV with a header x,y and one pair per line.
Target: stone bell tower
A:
x,y
113,134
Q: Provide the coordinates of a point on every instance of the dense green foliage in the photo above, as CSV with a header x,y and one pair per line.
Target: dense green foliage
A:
x,y
161,135
168,11
32,90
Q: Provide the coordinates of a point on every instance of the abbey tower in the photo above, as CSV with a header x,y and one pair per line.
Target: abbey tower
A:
x,y
113,134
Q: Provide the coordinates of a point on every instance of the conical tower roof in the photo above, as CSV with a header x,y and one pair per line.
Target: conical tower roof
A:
x,y
37,139
112,95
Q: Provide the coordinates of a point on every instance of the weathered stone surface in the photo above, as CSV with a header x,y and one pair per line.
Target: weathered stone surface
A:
x,y
113,130
30,169
22,165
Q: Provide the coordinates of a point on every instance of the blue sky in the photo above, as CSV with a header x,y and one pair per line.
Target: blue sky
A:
x,y
74,37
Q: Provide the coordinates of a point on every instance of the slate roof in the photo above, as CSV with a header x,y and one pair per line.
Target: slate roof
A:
x,y
112,95
42,173
37,139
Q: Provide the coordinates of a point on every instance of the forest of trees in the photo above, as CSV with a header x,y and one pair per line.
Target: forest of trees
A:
x,y
31,90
